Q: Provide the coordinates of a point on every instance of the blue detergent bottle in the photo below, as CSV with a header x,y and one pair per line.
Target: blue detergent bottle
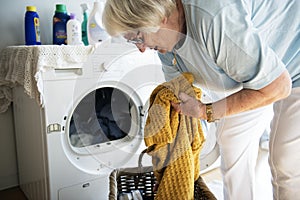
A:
x,y
32,26
60,20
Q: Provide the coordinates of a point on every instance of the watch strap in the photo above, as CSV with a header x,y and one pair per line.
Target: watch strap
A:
x,y
209,112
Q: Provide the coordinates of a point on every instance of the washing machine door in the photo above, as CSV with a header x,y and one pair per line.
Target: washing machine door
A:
x,y
105,123
104,119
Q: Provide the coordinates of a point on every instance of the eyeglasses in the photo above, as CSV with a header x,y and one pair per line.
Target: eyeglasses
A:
x,y
138,39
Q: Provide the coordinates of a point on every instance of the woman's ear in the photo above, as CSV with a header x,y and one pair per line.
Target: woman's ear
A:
x,y
165,20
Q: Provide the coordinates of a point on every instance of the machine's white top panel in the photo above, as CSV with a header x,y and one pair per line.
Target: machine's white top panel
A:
x,y
25,65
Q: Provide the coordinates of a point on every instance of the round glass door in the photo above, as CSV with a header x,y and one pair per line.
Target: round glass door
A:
x,y
102,116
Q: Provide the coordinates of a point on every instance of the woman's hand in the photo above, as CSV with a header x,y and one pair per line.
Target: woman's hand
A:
x,y
245,99
190,106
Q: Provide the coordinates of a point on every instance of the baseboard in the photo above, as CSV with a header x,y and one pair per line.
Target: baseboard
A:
x,y
9,181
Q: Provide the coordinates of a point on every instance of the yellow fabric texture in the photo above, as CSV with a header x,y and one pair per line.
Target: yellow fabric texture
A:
x,y
173,140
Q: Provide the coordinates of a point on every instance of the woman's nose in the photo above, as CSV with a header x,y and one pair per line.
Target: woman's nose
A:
x,y
142,47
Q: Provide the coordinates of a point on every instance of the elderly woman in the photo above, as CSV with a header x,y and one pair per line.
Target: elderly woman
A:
x,y
244,56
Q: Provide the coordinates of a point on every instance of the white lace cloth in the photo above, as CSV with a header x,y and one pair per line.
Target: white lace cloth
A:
x,y
21,65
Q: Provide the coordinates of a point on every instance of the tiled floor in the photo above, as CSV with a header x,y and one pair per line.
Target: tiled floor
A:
x,y
263,179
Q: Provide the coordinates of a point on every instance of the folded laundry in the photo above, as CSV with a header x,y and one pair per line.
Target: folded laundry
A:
x,y
173,140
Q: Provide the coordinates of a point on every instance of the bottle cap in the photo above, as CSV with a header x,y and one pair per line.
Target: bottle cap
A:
x,y
84,7
61,8
72,16
31,8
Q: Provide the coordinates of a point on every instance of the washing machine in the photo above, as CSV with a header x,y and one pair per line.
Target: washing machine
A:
x,y
91,123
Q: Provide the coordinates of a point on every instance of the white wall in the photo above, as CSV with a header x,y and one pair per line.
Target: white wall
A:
x,y
12,33
8,164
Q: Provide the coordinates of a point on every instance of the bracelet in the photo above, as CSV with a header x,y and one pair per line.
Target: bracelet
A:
x,y
209,113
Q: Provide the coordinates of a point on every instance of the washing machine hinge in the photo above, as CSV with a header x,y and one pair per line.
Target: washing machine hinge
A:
x,y
53,128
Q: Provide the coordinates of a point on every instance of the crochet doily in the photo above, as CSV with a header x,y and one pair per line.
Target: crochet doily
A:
x,y
22,65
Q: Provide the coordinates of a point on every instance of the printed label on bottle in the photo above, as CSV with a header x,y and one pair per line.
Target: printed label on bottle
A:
x,y
96,32
37,29
60,32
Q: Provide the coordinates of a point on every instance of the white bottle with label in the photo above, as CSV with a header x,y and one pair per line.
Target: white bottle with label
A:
x,y
74,31
96,32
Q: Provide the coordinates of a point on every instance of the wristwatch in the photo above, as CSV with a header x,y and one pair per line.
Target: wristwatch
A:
x,y
209,112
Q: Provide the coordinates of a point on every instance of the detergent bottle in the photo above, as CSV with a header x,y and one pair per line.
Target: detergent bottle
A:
x,y
74,31
32,26
84,24
60,20
96,32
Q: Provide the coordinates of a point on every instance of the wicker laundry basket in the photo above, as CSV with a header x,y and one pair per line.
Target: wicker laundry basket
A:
x,y
141,178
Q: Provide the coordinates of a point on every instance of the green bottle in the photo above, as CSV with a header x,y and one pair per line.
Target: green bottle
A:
x,y
84,24
60,20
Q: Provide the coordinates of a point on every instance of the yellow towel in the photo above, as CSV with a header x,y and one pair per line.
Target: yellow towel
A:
x,y
173,140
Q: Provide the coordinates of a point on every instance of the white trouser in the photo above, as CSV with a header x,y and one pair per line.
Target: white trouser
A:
x,y
285,147
238,137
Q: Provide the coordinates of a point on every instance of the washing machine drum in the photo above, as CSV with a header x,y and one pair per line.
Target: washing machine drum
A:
x,y
102,116
108,121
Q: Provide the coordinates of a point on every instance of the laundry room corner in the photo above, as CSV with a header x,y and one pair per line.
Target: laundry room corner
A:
x,y
8,166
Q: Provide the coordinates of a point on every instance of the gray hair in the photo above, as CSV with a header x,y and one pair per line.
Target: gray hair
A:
x,y
121,16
